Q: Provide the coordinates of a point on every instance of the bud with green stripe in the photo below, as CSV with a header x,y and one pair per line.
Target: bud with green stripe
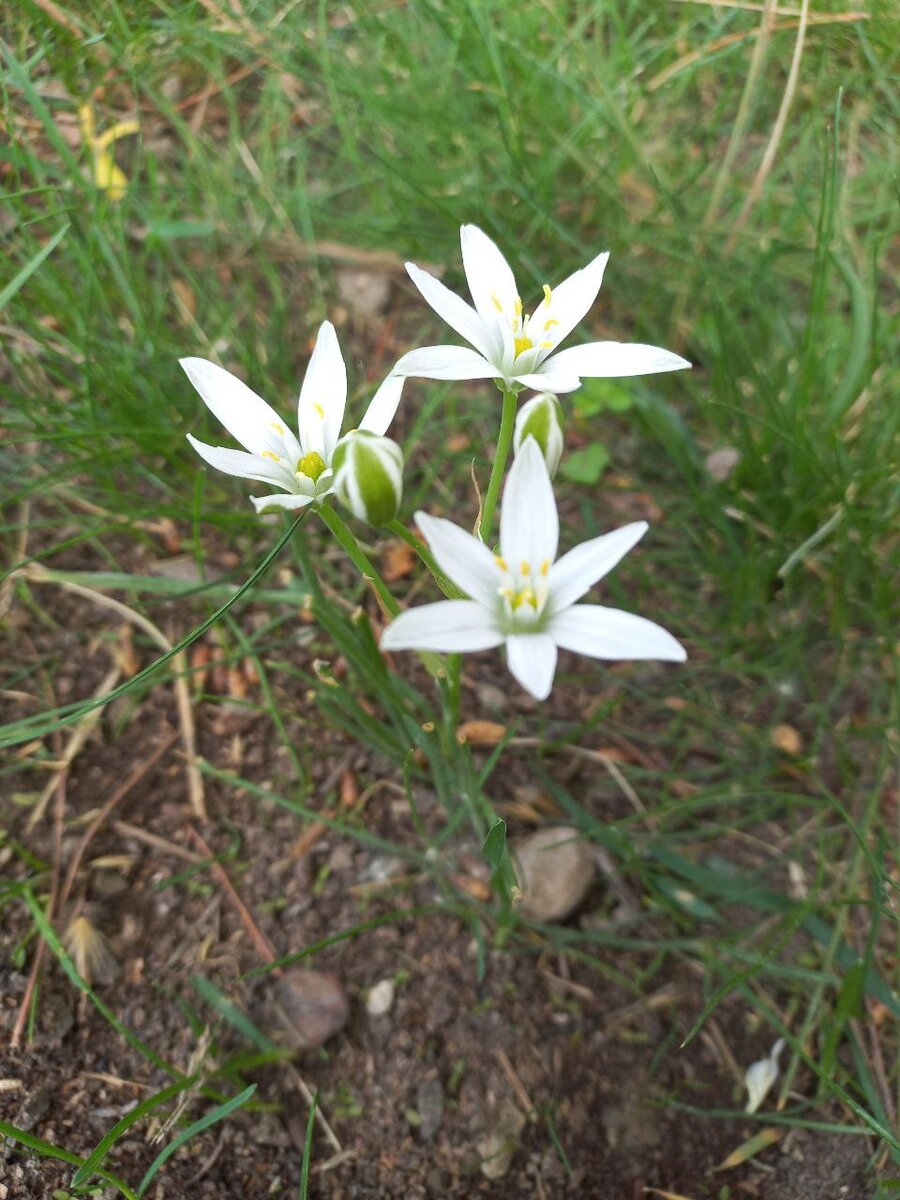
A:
x,y
368,476
541,418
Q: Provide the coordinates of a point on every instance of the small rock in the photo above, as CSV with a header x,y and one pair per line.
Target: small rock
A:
x,y
787,739
380,999
312,1005
556,869
720,463
430,1105
497,1147
364,292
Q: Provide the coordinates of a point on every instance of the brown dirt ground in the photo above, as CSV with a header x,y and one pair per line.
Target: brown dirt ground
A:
x,y
409,1094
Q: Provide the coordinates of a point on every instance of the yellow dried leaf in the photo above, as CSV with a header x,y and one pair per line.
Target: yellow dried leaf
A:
x,y
480,733
787,739
760,1141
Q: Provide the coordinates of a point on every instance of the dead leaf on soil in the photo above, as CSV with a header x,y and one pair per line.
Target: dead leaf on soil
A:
x,y
754,1145
480,733
397,561
787,739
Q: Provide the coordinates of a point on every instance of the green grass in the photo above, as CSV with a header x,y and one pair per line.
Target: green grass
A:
x,y
270,138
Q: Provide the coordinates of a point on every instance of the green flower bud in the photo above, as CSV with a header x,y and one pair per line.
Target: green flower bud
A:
x,y
541,418
368,476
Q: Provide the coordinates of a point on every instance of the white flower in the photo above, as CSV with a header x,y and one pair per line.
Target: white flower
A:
x,y
524,598
760,1076
516,348
299,466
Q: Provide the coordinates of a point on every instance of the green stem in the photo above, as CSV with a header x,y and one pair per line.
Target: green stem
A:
x,y
447,586
504,441
358,557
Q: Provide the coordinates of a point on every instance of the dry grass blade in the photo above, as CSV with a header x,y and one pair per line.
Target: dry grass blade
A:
x,y
732,39
182,694
777,133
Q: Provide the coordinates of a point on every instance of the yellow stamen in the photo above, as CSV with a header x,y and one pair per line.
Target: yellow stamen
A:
x,y
311,465
501,562
496,302
278,427
271,454
546,345
320,411
517,307
521,344
547,294
549,323
524,568
545,566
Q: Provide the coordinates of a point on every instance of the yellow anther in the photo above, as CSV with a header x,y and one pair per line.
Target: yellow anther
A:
x,y
496,302
549,323
547,294
517,307
320,411
271,454
546,345
501,562
524,568
545,567
521,344
311,465
278,427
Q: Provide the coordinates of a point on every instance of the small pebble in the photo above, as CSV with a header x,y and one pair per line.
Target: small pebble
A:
x,y
556,869
380,999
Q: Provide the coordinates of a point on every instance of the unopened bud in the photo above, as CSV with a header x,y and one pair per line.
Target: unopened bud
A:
x,y
368,476
541,418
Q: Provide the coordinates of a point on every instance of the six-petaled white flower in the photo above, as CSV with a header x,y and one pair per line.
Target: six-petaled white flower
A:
x,y
513,347
299,466
524,597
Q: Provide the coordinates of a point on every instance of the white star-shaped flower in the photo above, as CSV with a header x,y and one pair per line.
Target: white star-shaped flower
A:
x,y
516,348
523,597
299,465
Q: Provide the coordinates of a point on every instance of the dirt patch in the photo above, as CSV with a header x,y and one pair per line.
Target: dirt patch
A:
x,y
553,1060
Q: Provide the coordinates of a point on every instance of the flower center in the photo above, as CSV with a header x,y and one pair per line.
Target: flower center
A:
x,y
524,593
311,465
531,331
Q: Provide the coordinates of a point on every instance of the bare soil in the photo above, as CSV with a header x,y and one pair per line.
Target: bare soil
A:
x,y
607,1102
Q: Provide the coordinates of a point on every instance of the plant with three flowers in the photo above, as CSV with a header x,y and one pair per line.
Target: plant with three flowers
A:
x,y
524,598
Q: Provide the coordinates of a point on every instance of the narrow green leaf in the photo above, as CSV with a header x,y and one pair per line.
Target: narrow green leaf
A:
x,y
307,1146
30,267
95,1158
217,1114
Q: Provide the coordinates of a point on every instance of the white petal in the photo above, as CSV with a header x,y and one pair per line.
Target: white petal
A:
x,y
614,360
531,658
450,626
529,524
466,560
261,503
610,633
491,281
760,1076
445,362
458,315
323,396
586,564
569,301
243,465
245,415
383,406
547,379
